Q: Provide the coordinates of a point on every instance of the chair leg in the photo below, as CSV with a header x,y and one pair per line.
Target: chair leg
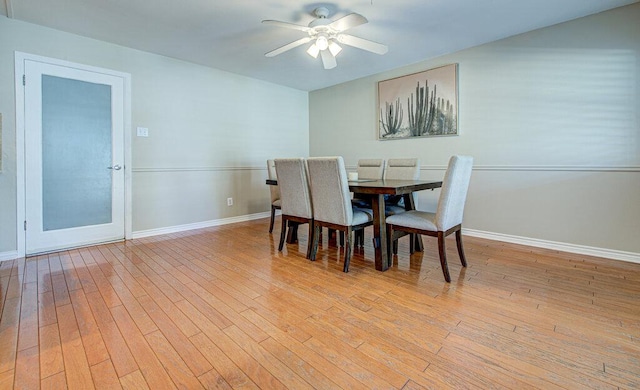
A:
x,y
283,234
273,217
419,245
443,257
412,243
314,247
395,246
347,249
311,239
341,238
463,260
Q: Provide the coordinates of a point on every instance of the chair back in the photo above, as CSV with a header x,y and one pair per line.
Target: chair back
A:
x,y
330,190
454,192
402,169
370,169
272,175
294,187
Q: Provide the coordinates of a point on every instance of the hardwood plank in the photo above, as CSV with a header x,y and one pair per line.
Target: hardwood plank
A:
x,y
28,316
46,309
213,380
54,382
89,331
104,376
288,378
7,379
159,289
195,299
249,366
59,284
297,355
172,362
27,368
254,332
134,381
224,369
189,353
78,374
152,370
51,360
362,368
121,356
221,308
9,322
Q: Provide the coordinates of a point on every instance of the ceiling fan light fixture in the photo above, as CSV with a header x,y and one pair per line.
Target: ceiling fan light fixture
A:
x,y
313,51
334,48
322,42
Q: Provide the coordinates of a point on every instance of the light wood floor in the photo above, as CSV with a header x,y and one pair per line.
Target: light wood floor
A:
x,y
221,308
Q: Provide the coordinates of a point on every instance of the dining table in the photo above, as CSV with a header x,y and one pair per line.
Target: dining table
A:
x,y
377,189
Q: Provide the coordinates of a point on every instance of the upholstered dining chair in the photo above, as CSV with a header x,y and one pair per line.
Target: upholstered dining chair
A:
x,y
295,197
275,192
401,169
370,168
332,203
448,217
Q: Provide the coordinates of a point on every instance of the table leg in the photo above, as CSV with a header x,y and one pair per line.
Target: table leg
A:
x,y
410,204
381,249
292,232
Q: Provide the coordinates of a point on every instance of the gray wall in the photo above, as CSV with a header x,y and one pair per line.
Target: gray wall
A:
x,y
550,116
211,132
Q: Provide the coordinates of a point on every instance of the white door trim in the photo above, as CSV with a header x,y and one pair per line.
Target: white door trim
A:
x,y
20,59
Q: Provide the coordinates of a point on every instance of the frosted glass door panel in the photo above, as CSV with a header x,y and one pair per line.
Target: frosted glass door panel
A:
x,y
76,153
74,133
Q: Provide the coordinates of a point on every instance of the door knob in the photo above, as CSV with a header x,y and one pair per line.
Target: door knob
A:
x,y
115,167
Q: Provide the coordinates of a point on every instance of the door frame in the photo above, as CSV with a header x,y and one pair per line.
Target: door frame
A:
x,y
20,59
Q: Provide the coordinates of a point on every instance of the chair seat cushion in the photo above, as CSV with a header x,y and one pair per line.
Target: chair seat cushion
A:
x,y
277,203
415,219
361,216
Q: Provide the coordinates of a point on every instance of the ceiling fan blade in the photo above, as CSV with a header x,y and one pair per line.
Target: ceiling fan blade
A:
x,y
286,25
288,46
363,44
347,22
328,60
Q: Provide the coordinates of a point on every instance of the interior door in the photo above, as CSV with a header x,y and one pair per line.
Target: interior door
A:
x,y
74,157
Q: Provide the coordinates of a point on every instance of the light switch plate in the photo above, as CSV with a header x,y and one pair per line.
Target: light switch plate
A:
x,y
142,132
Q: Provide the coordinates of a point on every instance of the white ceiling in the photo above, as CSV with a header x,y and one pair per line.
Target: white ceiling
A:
x,y
228,35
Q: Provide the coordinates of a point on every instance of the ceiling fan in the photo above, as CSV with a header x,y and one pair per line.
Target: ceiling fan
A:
x,y
326,36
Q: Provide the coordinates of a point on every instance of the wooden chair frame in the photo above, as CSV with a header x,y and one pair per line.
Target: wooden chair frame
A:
x,y
287,220
348,235
395,232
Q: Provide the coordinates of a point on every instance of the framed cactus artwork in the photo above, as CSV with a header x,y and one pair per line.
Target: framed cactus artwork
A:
x,y
423,104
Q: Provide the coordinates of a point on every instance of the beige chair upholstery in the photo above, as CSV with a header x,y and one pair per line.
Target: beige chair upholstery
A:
x,y
275,192
295,197
448,216
332,203
370,169
401,169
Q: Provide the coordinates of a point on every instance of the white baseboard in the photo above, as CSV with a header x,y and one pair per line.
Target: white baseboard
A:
x,y
553,245
559,246
11,255
199,225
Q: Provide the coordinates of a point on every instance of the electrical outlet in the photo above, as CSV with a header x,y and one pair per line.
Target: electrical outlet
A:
x,y
229,201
